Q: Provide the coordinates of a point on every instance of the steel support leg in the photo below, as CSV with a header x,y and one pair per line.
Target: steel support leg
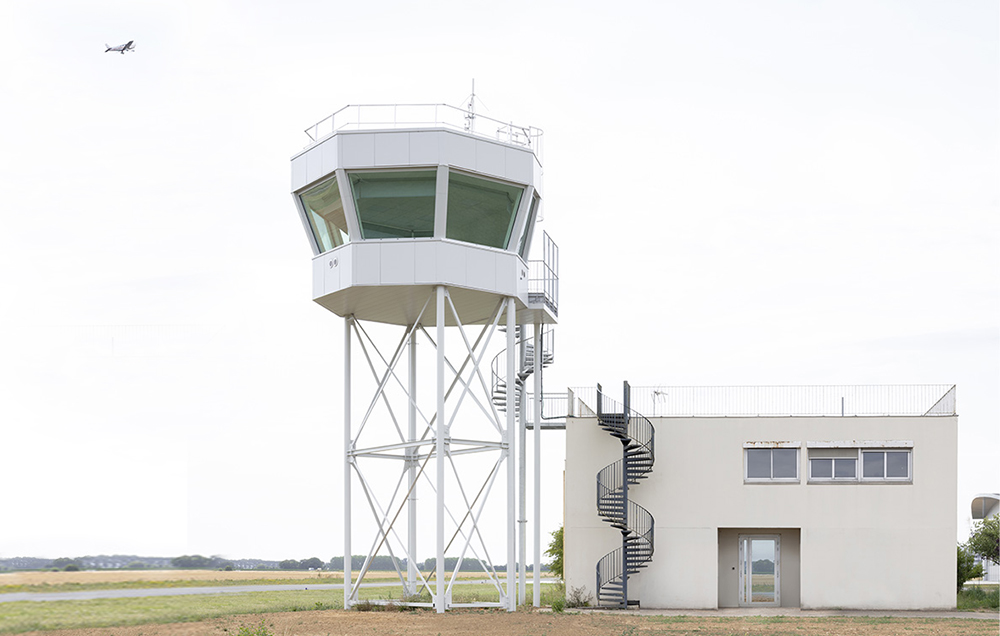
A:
x,y
511,456
348,327
411,471
536,578
522,453
440,449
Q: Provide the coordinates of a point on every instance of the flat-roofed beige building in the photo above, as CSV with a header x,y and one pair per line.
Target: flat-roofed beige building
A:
x,y
811,497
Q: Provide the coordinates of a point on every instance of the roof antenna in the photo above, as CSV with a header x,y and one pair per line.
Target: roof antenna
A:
x,y
470,113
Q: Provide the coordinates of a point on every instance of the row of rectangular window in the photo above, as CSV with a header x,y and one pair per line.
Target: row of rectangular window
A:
x,y
782,464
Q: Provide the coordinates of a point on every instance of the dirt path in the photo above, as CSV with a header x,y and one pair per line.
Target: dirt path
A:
x,y
483,623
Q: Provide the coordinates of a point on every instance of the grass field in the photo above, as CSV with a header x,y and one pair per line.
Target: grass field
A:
x,y
26,616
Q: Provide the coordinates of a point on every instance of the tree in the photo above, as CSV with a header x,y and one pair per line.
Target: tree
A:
x,y
967,566
66,564
555,550
192,562
985,539
311,564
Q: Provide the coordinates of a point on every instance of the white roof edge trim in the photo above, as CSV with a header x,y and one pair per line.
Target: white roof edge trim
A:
x,y
858,443
772,444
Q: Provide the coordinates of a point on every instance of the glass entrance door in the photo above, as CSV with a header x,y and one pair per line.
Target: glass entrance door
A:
x,y
760,570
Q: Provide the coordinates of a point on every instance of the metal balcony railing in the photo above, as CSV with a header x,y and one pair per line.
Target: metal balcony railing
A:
x,y
543,276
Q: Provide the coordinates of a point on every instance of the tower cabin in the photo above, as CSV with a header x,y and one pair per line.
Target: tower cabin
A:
x,y
394,209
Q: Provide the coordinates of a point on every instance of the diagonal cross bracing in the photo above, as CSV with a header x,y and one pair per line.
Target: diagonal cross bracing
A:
x,y
469,408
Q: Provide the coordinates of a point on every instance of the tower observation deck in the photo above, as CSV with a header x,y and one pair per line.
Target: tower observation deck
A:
x,y
399,199
422,217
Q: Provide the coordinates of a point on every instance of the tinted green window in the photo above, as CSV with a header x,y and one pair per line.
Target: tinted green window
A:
x,y
395,204
481,211
325,211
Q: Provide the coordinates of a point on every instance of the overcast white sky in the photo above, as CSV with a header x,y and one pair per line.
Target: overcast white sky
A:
x,y
780,193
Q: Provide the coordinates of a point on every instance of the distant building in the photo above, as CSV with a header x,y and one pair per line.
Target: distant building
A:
x,y
811,497
985,506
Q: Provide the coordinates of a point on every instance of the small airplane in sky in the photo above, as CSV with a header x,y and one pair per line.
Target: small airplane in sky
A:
x,y
121,48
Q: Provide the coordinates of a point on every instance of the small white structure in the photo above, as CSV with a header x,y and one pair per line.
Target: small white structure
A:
x,y
811,497
984,506
418,220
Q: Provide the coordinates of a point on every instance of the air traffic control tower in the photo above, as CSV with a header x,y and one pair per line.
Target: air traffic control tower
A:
x,y
421,218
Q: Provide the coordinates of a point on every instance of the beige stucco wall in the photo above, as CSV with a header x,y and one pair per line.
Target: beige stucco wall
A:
x,y
861,545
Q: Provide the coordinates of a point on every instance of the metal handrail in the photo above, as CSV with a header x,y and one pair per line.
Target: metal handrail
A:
x,y
382,116
498,366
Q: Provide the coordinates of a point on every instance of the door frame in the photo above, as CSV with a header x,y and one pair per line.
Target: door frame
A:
x,y
745,556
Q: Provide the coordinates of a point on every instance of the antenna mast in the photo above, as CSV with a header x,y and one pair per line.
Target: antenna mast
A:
x,y
470,115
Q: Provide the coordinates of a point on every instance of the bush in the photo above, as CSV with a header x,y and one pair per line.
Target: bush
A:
x,y
558,605
578,597
979,597
967,567
260,630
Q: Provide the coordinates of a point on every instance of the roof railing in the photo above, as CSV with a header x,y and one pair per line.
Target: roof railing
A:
x,y
383,116
911,400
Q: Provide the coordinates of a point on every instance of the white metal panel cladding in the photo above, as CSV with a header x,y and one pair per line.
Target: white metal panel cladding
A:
x,y
319,283
397,265
425,148
392,149
385,149
368,257
314,165
517,166
490,158
330,152
481,269
329,270
299,178
452,260
425,255
382,270
357,150
459,151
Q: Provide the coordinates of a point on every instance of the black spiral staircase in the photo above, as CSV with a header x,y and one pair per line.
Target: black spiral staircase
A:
x,y
525,366
635,523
